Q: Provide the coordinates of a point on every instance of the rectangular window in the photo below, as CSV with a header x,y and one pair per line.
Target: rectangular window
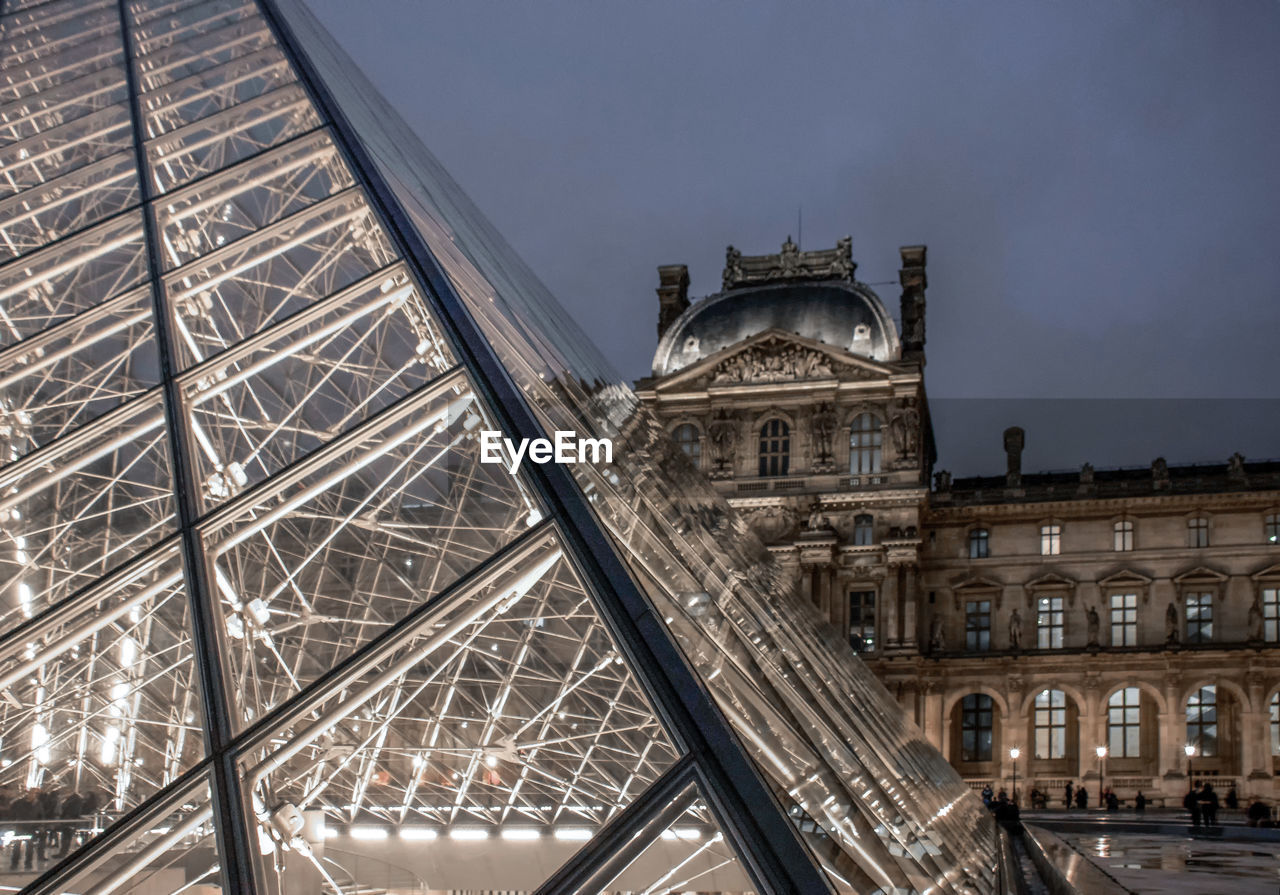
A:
x,y
1198,532
1049,623
977,625
979,543
862,620
1050,540
1123,536
1124,619
1271,614
976,715
1199,618
1051,724
1271,528
1124,717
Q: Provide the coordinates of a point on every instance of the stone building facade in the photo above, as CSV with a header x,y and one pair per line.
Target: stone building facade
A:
x,y
1135,610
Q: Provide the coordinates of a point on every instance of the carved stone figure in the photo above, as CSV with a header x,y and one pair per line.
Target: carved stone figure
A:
x,y
1015,629
1171,625
722,432
843,265
773,361
1255,621
732,267
1160,472
789,264
904,431
1235,468
818,520
1086,474
936,643
942,480
824,430
1093,623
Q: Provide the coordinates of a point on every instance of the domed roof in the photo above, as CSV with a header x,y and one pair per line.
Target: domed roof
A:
x,y
843,313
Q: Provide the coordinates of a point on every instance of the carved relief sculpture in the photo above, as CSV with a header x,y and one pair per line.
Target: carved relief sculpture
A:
x,y
823,424
1171,625
1015,629
1093,624
1255,621
936,643
773,361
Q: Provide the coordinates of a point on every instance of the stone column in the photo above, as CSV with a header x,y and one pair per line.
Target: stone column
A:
x,y
933,720
823,595
910,600
889,602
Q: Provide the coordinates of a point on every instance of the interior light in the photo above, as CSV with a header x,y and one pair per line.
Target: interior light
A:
x,y
418,834
576,834
369,833
468,834
522,834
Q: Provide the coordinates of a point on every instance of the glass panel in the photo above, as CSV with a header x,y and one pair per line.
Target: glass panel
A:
x,y
44,110
234,203
51,32
184,22
64,148
102,709
335,552
167,64
239,290
310,379
229,136
82,271
200,95
502,717
76,509
69,375
73,201
26,77
171,849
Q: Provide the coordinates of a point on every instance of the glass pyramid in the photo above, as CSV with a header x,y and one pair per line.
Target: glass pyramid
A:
x,y
268,624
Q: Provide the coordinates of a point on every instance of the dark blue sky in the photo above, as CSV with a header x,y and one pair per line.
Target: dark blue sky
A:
x,y
1097,182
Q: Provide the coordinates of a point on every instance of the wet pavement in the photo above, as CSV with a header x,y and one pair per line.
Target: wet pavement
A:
x,y
1180,865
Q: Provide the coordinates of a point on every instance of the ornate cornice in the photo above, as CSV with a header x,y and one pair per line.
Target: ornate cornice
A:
x,y
789,264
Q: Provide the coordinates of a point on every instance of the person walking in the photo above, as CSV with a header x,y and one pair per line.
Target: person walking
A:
x,y
1140,802
22,811
1209,805
1070,795
1191,801
70,811
1082,797
46,809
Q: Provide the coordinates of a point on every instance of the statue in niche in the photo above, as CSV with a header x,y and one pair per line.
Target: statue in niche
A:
x,y
904,430
1093,624
1171,625
824,430
1015,629
936,643
723,434
1255,621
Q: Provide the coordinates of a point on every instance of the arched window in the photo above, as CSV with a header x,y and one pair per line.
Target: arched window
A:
x,y
688,437
1124,717
775,448
1275,724
865,440
1051,724
1202,721
975,727
863,530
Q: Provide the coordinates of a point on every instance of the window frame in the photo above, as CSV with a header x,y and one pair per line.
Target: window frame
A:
x,y
977,719
692,448
1126,717
1128,620
1122,536
1051,719
775,448
1271,528
1201,722
866,444
864,530
1056,612
862,623
1197,532
1269,597
979,538
1051,539
977,637
1200,600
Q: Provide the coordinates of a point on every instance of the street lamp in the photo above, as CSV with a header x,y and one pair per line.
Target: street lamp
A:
x,y
1014,753
1102,753
1190,749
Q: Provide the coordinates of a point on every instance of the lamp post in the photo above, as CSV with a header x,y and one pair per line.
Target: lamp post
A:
x,y
1014,753
1102,753
1190,749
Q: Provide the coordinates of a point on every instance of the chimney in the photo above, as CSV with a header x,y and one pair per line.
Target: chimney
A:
x,y
914,282
1014,440
673,294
